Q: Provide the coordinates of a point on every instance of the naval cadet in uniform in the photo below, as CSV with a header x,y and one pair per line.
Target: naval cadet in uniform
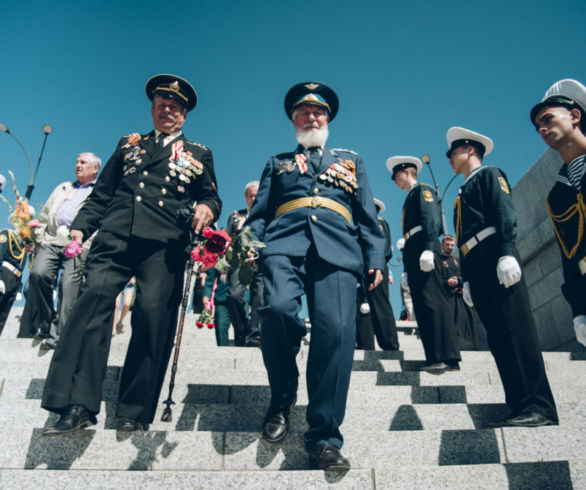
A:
x,y
315,213
134,204
485,224
421,229
560,119
13,253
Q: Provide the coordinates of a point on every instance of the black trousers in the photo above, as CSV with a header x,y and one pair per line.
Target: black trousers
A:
x,y
380,321
78,367
433,312
12,285
512,338
246,331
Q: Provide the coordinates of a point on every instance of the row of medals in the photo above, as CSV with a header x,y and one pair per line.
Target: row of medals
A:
x,y
339,179
185,171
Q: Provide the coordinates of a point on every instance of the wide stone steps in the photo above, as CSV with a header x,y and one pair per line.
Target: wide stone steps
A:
x,y
403,428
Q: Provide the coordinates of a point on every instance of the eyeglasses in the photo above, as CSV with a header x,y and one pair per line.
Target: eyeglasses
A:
x,y
317,113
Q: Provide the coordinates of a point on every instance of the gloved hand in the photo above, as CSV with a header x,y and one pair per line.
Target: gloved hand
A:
x,y
426,261
404,282
508,271
466,295
2,287
580,328
365,308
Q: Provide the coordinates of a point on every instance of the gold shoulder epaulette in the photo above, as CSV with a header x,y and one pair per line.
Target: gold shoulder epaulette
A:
x,y
203,147
346,150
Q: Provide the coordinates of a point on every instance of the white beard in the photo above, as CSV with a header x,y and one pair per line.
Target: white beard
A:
x,y
312,137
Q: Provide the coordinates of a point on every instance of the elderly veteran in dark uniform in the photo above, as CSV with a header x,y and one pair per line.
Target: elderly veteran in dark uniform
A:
x,y
315,213
560,119
421,229
485,224
134,204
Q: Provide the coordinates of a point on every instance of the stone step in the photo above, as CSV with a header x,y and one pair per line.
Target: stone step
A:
x,y
384,416
557,475
236,451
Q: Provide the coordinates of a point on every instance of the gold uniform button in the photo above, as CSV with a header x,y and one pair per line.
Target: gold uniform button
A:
x,y
141,185
138,198
316,190
164,191
167,178
313,218
161,204
145,172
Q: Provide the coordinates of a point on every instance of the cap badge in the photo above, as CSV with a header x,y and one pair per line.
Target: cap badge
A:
x,y
503,184
427,195
311,86
174,86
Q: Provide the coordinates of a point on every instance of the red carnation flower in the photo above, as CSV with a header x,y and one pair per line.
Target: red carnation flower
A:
x,y
218,243
199,324
210,325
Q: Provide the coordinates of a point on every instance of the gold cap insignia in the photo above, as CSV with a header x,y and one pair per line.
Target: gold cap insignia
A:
x,y
311,86
174,86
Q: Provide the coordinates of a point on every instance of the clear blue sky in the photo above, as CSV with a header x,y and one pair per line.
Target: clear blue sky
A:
x,y
404,73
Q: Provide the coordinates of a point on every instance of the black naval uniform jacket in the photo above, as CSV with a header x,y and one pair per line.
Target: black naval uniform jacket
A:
x,y
483,201
420,209
340,177
141,188
11,252
568,215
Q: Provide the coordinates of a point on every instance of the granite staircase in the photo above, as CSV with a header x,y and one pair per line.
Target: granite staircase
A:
x,y
404,429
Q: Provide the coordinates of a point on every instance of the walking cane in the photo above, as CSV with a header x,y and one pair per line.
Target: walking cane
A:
x,y
167,415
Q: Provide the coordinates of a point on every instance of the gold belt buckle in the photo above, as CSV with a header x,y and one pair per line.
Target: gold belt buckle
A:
x,y
465,249
316,201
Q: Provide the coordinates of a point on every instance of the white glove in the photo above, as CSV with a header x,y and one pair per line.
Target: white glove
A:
x,y
466,295
400,243
365,308
508,271
2,287
404,281
580,328
426,261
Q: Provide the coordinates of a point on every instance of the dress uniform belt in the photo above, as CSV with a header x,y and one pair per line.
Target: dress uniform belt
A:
x,y
314,202
11,268
412,232
476,239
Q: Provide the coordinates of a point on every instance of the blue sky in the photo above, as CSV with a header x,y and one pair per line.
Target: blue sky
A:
x,y
404,72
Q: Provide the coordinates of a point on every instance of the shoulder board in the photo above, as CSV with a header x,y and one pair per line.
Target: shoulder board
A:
x,y
288,155
423,184
203,147
346,150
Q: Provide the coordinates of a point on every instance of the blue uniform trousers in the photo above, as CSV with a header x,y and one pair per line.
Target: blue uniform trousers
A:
x,y
331,299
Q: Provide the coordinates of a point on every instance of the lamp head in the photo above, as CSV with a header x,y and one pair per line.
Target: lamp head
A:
x,y
47,129
3,127
425,159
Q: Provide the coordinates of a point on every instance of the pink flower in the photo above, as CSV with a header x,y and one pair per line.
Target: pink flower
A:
x,y
208,232
73,249
33,223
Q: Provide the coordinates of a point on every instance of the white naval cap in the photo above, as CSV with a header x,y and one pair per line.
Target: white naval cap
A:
x,y
457,136
566,93
381,205
395,164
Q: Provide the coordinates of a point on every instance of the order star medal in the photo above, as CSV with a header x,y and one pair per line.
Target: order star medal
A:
x,y
176,150
300,160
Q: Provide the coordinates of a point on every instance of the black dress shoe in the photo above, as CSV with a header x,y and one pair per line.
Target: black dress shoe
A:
x,y
327,457
531,419
129,425
275,427
436,368
73,418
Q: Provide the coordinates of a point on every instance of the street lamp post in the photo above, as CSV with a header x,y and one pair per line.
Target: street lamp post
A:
x,y
47,130
427,160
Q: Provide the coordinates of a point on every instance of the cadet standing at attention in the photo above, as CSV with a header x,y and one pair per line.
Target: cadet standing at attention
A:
x,y
485,224
560,119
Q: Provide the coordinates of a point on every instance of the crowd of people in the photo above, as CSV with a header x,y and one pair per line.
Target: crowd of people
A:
x,y
314,212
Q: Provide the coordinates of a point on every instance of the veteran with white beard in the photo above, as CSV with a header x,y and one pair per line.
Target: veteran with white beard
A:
x,y
315,213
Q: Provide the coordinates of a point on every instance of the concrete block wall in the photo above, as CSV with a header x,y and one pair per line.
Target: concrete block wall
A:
x,y
540,255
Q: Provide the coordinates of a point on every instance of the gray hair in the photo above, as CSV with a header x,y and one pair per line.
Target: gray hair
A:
x,y
95,159
250,185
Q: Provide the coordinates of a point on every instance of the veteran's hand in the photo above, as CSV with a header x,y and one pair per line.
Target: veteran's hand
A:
x,y
376,279
202,217
77,236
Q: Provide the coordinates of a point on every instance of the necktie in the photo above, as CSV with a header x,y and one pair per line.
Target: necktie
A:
x,y
160,141
314,157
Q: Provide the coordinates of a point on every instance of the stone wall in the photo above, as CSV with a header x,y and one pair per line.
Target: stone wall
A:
x,y
540,255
